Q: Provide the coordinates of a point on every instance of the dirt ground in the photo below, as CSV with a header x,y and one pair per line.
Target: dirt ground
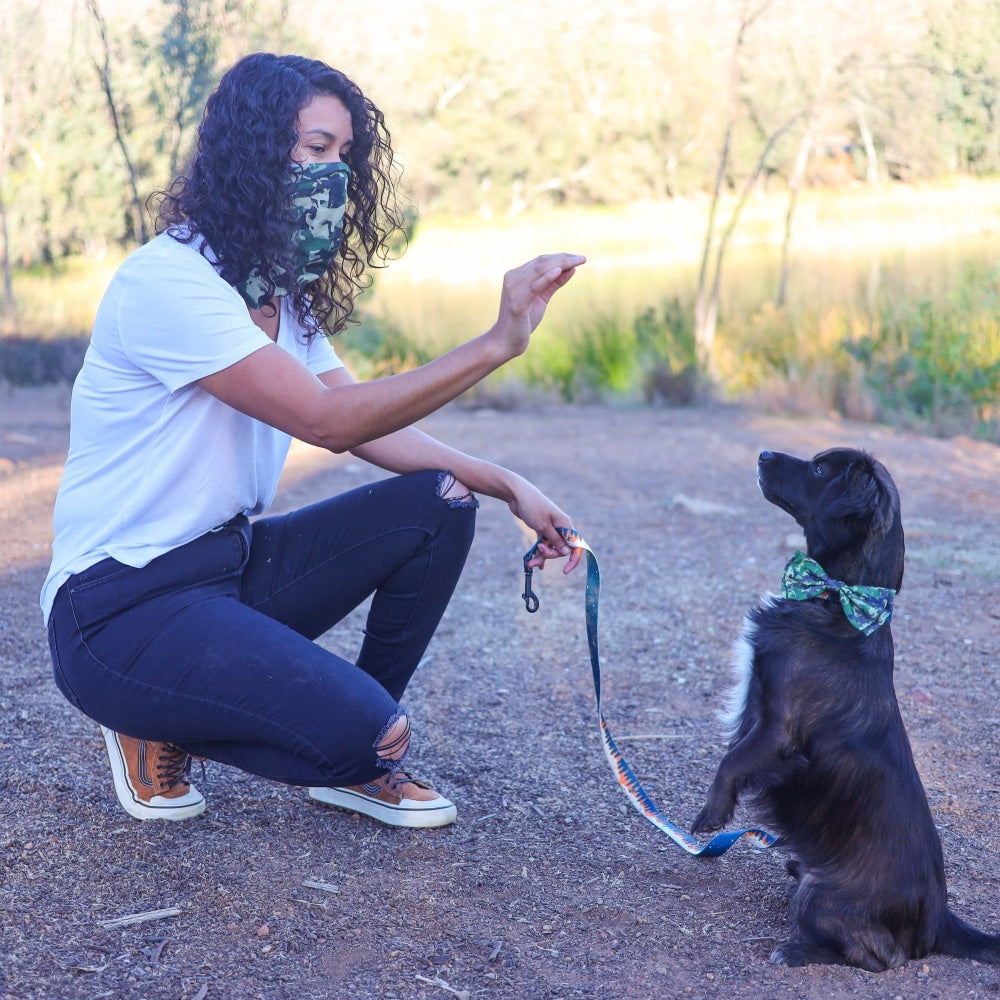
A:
x,y
549,885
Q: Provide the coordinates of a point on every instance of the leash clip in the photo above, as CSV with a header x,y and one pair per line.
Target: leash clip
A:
x,y
529,597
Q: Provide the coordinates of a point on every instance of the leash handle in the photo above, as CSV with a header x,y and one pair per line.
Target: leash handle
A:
x,y
624,774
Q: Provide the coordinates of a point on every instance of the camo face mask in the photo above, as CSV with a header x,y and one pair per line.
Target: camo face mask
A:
x,y
319,197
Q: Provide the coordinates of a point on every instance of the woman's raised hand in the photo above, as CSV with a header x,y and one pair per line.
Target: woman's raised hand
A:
x,y
526,292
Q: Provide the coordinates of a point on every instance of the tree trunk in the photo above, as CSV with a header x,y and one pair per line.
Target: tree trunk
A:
x,y
104,74
794,185
707,298
871,155
10,306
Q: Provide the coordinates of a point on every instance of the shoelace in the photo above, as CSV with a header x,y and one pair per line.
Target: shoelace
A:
x,y
173,765
393,781
402,777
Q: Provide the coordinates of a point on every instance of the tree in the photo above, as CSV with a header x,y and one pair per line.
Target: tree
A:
x,y
184,71
714,243
102,65
9,306
16,28
962,50
797,79
614,101
185,56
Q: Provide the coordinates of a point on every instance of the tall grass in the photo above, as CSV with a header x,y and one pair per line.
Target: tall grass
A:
x,y
652,352
893,311
60,300
936,364
932,366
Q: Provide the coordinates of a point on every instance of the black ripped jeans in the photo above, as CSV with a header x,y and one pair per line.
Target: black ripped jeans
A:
x,y
210,646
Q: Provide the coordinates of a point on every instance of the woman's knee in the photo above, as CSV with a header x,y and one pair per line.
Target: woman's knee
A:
x,y
454,492
442,504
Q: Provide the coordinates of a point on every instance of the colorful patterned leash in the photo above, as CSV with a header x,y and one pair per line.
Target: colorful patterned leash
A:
x,y
630,784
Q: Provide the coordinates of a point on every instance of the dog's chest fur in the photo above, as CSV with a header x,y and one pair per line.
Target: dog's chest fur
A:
x,y
795,658
825,693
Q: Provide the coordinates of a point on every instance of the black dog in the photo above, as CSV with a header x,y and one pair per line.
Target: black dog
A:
x,y
818,741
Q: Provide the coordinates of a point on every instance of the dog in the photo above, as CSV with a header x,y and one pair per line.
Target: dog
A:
x,y
817,741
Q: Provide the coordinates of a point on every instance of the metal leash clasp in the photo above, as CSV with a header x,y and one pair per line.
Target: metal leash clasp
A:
x,y
529,597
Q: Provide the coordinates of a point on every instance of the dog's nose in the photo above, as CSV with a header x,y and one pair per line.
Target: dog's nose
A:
x,y
765,456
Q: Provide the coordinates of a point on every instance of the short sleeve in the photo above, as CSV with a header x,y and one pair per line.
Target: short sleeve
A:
x,y
322,357
177,319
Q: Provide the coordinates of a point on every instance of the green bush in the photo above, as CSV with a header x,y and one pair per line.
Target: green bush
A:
x,y
374,348
652,352
936,365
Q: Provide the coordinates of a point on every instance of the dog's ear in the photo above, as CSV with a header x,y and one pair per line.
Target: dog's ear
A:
x,y
885,508
865,490
868,497
855,493
886,544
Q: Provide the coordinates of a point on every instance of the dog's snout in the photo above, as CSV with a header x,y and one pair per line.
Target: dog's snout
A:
x,y
765,456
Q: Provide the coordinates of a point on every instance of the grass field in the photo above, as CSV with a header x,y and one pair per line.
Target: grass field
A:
x,y
891,311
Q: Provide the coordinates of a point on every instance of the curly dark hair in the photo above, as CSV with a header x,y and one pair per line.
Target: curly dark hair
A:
x,y
235,193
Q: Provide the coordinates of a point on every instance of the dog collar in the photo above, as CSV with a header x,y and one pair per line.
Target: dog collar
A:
x,y
867,608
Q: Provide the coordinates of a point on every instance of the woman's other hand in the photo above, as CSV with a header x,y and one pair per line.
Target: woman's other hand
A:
x,y
541,515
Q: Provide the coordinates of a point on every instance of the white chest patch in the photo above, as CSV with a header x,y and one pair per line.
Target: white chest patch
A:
x,y
742,661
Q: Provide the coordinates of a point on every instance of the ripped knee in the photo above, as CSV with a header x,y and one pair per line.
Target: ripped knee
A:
x,y
454,492
393,742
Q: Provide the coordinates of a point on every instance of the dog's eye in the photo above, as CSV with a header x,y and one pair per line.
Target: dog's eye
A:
x,y
819,469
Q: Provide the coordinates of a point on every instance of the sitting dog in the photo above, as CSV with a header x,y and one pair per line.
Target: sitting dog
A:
x,y
816,737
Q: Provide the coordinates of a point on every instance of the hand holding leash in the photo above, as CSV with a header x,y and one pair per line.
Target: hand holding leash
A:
x,y
572,538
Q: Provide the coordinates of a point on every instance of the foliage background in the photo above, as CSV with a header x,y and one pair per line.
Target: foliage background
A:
x,y
516,110
500,106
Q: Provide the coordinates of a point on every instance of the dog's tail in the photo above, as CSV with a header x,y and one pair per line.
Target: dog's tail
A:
x,y
960,940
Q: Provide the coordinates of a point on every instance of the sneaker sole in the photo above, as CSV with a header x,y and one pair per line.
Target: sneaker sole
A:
x,y
185,807
436,812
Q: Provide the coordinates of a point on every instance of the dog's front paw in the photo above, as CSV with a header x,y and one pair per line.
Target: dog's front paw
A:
x,y
710,819
778,956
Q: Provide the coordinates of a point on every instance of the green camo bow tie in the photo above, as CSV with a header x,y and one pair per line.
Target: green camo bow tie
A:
x,y
867,608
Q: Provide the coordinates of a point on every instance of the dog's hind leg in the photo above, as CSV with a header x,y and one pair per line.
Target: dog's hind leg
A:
x,y
833,932
878,953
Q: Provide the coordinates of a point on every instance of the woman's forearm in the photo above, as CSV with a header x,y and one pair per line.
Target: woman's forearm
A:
x,y
411,450
272,387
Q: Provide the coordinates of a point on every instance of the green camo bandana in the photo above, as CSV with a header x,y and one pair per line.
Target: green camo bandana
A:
x,y
319,197
867,608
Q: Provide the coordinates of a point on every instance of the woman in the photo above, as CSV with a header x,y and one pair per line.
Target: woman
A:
x,y
179,626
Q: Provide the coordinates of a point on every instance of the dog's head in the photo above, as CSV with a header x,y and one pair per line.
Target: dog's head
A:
x,y
848,507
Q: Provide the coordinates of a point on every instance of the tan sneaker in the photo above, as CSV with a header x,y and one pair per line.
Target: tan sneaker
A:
x,y
398,800
151,778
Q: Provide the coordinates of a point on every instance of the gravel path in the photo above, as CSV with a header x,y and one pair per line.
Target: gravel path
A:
x,y
549,885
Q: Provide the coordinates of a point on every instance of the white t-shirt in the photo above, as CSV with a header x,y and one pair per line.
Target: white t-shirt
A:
x,y
154,460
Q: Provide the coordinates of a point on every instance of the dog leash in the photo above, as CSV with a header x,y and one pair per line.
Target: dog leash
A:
x,y
624,774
